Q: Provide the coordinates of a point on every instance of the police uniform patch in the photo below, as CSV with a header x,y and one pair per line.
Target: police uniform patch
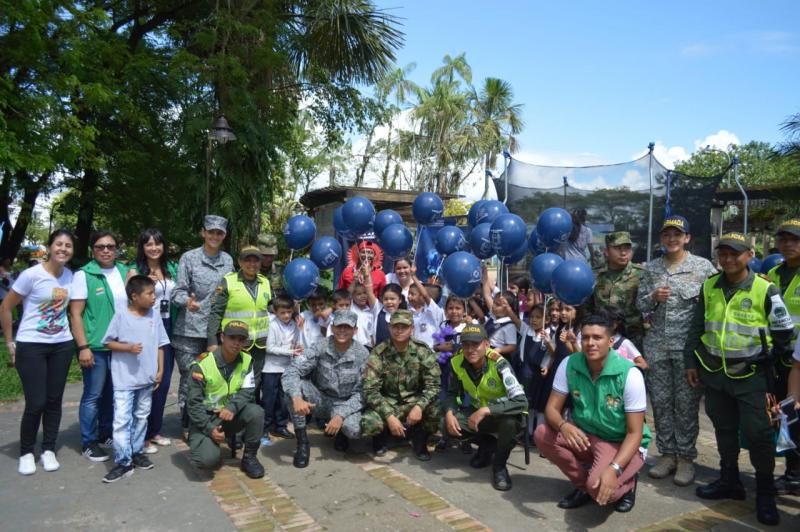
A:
x,y
509,381
197,376
747,304
493,355
491,383
797,291
780,312
201,356
576,394
218,289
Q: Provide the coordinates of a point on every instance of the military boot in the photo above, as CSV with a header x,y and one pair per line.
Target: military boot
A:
x,y
379,444
501,480
685,472
486,447
419,443
766,509
728,486
666,466
341,442
250,464
303,452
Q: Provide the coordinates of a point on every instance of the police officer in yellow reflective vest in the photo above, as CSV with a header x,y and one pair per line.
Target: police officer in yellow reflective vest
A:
x,y
243,296
786,277
725,353
220,402
497,403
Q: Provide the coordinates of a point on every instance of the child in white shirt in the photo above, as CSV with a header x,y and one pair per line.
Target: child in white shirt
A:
x,y
314,321
426,313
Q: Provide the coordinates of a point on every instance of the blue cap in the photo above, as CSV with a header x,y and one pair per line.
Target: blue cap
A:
x,y
678,222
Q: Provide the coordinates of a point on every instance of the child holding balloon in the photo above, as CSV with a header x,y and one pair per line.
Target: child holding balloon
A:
x,y
503,321
427,314
534,363
391,299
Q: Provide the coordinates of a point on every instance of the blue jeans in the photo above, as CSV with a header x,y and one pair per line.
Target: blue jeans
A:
x,y
276,411
96,412
156,418
131,408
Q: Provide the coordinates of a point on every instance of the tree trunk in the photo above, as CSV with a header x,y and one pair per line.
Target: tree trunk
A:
x,y
13,238
364,160
388,158
83,229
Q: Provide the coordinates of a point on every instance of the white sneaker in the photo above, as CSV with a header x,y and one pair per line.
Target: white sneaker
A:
x,y
27,464
149,449
49,462
161,440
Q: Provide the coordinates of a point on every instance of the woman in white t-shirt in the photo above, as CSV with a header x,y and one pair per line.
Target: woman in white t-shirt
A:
x,y
43,349
151,260
98,291
402,275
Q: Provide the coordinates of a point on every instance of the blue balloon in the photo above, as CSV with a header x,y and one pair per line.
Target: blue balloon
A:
x,y
489,211
450,239
508,233
573,282
554,227
358,214
534,245
427,208
326,252
384,219
299,231
396,241
339,226
481,242
770,262
516,257
300,278
755,265
542,269
462,273
472,217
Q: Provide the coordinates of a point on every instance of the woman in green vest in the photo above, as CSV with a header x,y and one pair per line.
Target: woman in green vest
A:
x,y
98,291
151,260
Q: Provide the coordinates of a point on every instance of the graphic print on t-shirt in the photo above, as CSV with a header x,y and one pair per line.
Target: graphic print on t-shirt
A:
x,y
53,313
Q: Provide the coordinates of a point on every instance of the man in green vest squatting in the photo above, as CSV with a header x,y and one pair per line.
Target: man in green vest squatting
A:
x,y
497,403
724,351
220,402
786,277
607,428
243,296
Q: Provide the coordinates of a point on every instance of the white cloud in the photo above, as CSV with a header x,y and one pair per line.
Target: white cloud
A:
x,y
720,140
669,155
773,42
562,159
635,180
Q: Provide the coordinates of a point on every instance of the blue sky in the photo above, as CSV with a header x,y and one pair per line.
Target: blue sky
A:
x,y
599,80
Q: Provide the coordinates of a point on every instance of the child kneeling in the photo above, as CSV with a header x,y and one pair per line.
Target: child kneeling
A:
x,y
135,337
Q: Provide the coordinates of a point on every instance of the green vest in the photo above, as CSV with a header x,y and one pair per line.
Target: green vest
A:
x,y
99,304
218,390
490,387
241,306
597,406
791,296
732,328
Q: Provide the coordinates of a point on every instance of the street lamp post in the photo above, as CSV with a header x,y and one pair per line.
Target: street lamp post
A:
x,y
220,133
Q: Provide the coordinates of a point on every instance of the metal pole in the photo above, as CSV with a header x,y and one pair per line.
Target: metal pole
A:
x,y
506,157
565,192
208,172
735,161
650,146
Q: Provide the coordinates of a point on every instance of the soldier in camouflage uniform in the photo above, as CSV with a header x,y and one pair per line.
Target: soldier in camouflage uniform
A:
x,y
326,383
618,283
268,246
401,389
668,291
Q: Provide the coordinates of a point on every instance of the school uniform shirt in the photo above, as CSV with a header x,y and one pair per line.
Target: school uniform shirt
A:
x,y
311,332
380,323
527,334
392,278
625,347
80,290
365,324
130,371
426,322
44,305
501,333
282,338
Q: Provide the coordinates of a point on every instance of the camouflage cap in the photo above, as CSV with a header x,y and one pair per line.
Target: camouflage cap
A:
x,y
678,222
213,221
618,238
473,333
734,240
345,317
790,226
236,328
402,317
249,251
267,244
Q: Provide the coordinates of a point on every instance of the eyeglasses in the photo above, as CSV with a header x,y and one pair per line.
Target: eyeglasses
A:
x,y
107,247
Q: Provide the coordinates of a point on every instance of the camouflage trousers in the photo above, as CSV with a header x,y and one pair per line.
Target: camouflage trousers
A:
x,y
372,424
324,409
186,350
675,404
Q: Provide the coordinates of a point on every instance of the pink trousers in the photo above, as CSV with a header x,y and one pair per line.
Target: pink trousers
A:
x,y
597,458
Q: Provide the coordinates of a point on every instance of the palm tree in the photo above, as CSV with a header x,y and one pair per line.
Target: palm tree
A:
x,y
791,146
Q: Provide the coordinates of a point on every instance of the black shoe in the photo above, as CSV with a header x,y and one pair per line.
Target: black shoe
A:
x,y
184,418
722,489
486,448
141,461
250,464
442,444
303,453
788,484
466,447
341,443
501,480
379,444
576,499
626,502
766,509
419,442
120,471
282,433
106,443
94,453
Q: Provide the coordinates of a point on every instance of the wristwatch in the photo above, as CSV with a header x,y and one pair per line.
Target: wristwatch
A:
x,y
617,468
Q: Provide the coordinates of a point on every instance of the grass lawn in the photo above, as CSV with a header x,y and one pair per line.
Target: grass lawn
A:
x,y
11,387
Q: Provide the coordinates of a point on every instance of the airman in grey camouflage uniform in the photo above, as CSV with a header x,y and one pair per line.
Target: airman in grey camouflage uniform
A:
x,y
268,246
327,379
618,282
401,388
677,278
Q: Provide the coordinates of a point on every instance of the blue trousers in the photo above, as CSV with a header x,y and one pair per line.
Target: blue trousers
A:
x,y
156,419
276,411
96,411
131,408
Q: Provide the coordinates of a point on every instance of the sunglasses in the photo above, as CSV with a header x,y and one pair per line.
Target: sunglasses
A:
x,y
107,247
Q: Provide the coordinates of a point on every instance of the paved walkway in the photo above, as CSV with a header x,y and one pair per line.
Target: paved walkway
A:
x,y
337,493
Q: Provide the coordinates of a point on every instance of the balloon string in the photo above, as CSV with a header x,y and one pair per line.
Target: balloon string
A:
x,y
291,254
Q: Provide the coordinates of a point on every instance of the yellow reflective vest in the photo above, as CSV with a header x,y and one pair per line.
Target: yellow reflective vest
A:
x,y
254,312
218,390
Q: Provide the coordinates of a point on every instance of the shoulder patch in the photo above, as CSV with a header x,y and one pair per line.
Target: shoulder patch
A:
x,y
494,355
198,376
201,356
